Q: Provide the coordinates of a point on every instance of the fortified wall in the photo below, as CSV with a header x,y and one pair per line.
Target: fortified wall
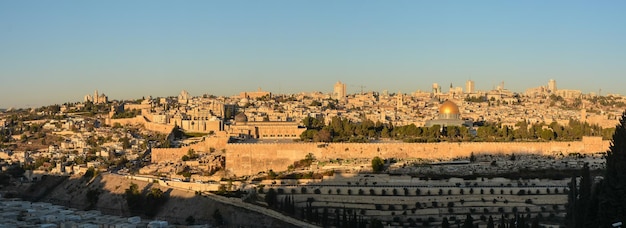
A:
x,y
248,159
141,120
175,154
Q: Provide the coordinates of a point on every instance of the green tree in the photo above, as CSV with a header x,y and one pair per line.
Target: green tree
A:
x,y
377,164
270,198
92,198
612,205
190,220
153,201
490,223
469,221
445,223
217,216
125,142
322,136
134,198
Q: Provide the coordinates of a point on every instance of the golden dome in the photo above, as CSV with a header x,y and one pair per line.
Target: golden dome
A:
x,y
449,107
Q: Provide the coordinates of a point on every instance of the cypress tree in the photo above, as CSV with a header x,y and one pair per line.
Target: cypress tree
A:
x,y
445,223
584,198
325,217
572,203
612,205
469,221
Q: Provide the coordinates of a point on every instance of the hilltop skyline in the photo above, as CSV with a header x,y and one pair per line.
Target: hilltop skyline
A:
x,y
55,52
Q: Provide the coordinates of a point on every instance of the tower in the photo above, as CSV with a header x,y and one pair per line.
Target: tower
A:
x,y
400,100
436,89
469,86
552,86
339,90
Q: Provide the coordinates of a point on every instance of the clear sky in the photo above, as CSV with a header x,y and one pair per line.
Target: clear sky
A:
x,y
58,51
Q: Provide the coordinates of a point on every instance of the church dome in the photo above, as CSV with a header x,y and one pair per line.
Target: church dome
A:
x,y
241,117
449,107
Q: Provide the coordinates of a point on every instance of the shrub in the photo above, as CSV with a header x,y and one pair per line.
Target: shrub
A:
x,y
190,220
377,164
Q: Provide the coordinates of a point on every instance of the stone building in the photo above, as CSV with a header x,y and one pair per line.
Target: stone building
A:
x,y
264,129
339,91
255,94
97,98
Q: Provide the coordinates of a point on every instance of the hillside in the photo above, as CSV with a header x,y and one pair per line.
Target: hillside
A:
x,y
73,192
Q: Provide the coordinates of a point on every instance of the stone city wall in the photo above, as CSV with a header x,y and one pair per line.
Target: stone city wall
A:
x,y
252,158
141,120
175,154
249,159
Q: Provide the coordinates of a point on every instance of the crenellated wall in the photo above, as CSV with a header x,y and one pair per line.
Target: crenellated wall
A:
x,y
248,159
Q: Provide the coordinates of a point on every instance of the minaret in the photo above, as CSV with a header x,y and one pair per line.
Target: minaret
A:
x,y
95,97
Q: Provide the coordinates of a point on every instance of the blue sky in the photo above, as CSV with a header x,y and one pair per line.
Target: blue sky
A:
x,y
58,51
